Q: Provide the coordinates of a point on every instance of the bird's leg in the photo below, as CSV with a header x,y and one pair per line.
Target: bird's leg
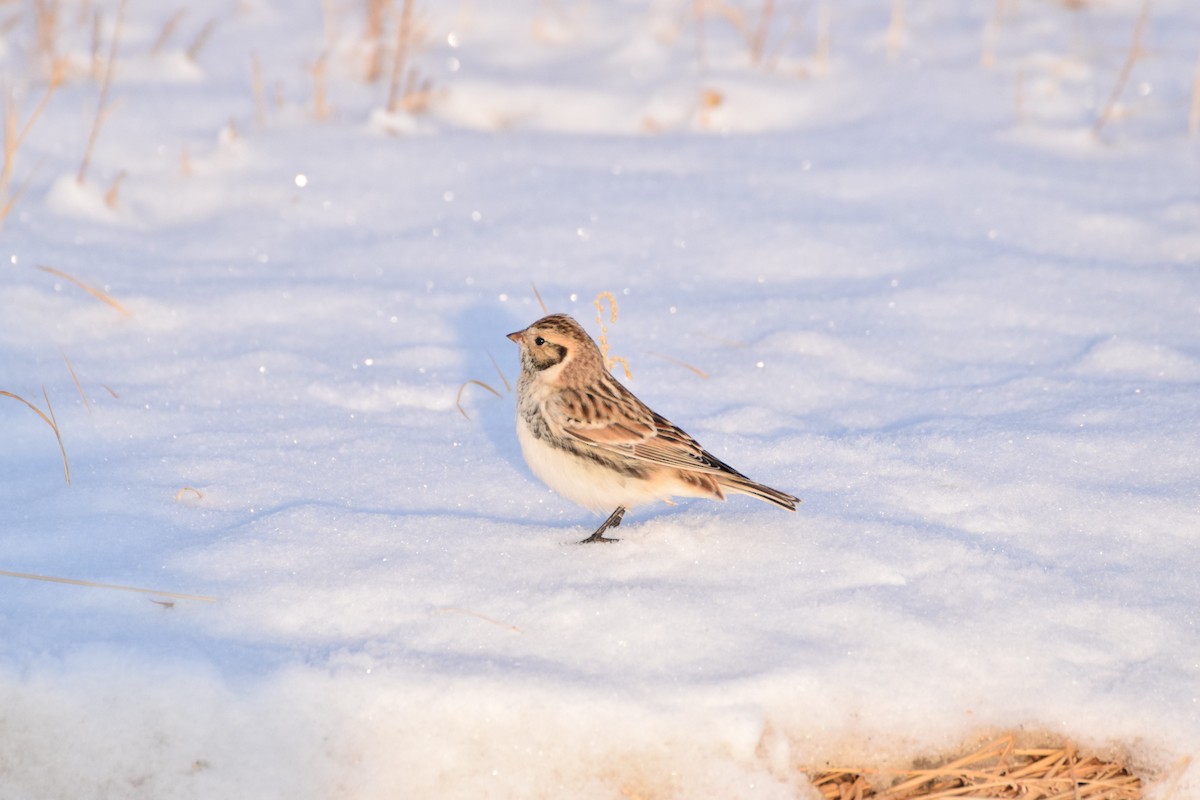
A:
x,y
614,519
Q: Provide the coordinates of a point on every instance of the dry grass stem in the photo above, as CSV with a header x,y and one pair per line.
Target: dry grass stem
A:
x,y
402,81
113,196
1194,115
260,94
999,769
683,364
182,493
321,108
92,290
329,22
824,38
49,420
897,29
45,26
698,17
987,55
78,386
13,137
373,38
1019,95
758,41
461,389
193,51
168,29
97,60
102,101
504,380
1131,58
477,615
29,576
538,295
609,361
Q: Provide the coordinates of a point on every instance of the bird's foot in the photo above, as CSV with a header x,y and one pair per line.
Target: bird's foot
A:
x,y
614,519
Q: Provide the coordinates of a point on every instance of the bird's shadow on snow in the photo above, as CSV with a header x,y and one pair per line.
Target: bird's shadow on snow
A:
x,y
491,359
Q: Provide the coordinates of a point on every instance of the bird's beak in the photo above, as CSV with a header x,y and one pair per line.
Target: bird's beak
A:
x,y
516,336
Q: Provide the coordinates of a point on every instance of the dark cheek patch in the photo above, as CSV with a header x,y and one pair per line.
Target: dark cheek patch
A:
x,y
548,355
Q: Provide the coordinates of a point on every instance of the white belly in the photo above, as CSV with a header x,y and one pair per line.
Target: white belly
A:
x,y
582,481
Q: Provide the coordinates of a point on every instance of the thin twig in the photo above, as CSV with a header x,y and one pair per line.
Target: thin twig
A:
x,y
1194,115
71,368
92,290
403,40
1135,52
102,102
538,295
95,585
49,420
507,386
458,399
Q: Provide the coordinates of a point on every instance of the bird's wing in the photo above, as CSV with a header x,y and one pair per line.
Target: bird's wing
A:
x,y
617,422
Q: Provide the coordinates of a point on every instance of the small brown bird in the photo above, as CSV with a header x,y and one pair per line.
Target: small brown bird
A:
x,y
592,441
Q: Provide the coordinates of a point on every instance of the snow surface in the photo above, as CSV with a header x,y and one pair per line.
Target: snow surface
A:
x,y
930,298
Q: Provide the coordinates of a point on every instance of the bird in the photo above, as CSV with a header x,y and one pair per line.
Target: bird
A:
x,y
589,438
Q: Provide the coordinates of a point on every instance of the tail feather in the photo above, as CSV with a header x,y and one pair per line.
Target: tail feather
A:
x,y
744,485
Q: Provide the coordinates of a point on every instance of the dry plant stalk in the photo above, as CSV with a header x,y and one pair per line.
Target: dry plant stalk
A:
x,y
824,24
538,295
609,361
987,55
897,27
405,90
113,196
710,101
78,386
102,296
373,38
461,389
49,420
321,108
102,109
168,29
681,363
329,22
758,41
500,372
29,576
97,61
1019,95
260,95
201,39
477,615
182,493
1194,115
14,136
999,769
45,24
1131,58
698,16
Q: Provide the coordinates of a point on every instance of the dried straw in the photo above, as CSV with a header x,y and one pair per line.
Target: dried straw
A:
x,y
999,769
92,290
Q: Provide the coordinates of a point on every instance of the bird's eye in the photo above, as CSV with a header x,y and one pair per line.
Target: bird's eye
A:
x,y
539,341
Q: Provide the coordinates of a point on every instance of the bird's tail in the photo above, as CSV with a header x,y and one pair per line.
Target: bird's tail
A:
x,y
744,485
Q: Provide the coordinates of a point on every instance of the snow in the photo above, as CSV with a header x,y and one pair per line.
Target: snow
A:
x,y
929,298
